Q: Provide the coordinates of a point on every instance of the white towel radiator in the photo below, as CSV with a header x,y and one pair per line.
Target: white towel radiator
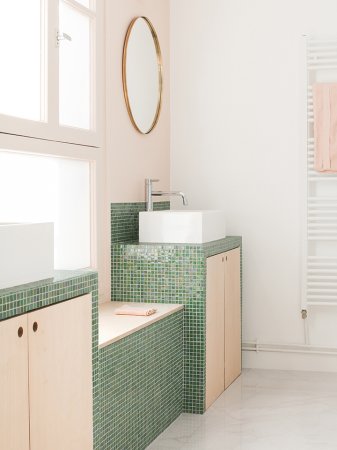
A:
x,y
319,277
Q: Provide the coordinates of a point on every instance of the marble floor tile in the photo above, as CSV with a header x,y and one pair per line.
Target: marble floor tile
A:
x,y
263,410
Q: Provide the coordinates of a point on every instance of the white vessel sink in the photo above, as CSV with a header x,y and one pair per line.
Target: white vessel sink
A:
x,y
182,227
26,253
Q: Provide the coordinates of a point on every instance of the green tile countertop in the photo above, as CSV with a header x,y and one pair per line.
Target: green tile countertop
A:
x,y
222,245
66,284
209,248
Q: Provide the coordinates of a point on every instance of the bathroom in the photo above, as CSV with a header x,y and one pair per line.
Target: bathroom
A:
x,y
209,322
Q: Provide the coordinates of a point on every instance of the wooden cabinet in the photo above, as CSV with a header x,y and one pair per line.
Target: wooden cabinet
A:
x,y
223,323
14,407
232,316
46,378
215,328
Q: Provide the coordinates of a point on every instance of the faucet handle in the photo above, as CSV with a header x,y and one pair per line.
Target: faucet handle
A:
x,y
148,193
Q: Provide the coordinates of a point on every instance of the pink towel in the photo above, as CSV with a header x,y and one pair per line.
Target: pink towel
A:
x,y
325,126
127,310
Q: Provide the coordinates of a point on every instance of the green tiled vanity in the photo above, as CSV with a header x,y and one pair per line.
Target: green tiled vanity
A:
x,y
167,273
37,298
137,380
143,381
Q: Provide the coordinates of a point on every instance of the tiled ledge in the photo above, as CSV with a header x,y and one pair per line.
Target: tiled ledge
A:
x,y
65,285
113,327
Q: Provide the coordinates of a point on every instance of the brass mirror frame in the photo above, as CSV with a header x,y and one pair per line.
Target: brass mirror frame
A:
x,y
160,74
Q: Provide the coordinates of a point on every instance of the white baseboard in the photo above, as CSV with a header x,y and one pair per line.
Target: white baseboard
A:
x,y
289,357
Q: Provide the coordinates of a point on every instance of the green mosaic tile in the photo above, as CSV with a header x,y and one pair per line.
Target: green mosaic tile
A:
x,y
64,286
141,385
125,219
171,273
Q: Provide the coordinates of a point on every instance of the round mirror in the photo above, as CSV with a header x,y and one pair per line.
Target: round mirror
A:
x,y
142,74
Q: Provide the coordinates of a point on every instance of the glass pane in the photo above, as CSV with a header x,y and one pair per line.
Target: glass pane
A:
x,y
20,50
46,189
75,104
86,3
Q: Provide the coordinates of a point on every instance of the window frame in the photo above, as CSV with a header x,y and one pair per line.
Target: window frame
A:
x,y
50,129
49,139
24,145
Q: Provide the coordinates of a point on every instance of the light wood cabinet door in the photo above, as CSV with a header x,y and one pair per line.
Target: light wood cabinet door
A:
x,y
232,316
14,404
60,374
215,315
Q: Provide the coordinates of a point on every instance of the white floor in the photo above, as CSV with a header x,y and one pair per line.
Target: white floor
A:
x,y
263,410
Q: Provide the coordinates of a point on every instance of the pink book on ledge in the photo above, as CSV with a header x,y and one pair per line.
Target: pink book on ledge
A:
x,y
127,310
325,126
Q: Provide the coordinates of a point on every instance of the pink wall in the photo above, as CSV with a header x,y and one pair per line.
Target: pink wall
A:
x,y
132,157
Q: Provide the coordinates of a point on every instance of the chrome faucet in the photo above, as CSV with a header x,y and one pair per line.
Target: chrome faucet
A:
x,y
149,193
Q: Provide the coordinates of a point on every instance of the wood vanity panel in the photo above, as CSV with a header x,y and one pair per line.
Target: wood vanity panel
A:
x,y
60,374
232,316
14,403
215,323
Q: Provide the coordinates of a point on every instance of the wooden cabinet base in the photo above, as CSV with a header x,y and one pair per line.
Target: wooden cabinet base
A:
x,y
60,374
223,323
215,324
14,406
46,378
232,317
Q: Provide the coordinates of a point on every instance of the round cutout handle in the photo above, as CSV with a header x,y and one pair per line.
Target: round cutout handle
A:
x,y
35,327
20,332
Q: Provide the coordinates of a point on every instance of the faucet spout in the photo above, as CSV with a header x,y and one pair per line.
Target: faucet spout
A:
x,y
171,194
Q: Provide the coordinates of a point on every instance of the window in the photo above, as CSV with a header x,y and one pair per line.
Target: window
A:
x,y
21,79
75,68
48,78
51,89
48,189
